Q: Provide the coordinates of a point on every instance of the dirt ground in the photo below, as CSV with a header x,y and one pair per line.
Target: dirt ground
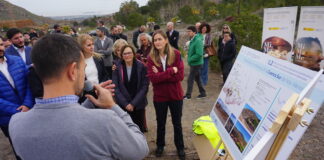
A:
x,y
310,147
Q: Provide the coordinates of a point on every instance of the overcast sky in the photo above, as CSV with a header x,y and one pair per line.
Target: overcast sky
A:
x,y
71,7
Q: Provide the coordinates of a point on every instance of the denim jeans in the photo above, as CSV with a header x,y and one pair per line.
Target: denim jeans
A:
x,y
204,71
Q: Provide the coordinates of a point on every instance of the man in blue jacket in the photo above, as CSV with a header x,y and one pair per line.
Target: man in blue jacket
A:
x,y
18,47
15,95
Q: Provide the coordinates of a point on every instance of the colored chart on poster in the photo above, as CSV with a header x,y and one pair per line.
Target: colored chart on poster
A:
x,y
255,91
278,31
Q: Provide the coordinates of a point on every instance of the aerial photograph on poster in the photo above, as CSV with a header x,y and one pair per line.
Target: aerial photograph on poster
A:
x,y
221,111
230,123
250,118
240,136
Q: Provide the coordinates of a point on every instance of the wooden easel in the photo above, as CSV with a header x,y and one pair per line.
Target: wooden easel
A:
x,y
210,153
288,119
290,116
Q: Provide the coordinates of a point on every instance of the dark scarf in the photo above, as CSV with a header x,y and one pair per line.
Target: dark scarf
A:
x,y
131,85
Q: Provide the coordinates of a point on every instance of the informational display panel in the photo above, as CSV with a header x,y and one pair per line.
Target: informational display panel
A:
x,y
278,31
255,91
310,38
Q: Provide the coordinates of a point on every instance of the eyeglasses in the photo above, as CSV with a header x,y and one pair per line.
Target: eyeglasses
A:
x,y
127,53
225,28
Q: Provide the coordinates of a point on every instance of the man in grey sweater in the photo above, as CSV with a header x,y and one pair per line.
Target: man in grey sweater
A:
x,y
58,128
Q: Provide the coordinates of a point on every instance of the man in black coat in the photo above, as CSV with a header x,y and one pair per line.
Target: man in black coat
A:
x,y
156,27
173,35
114,33
136,33
120,31
226,54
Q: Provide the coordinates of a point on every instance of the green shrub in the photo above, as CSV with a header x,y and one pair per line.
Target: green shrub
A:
x,y
248,30
92,22
214,64
210,11
189,15
129,14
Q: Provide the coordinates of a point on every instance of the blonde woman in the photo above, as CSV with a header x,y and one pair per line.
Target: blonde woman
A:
x,y
165,71
95,70
118,45
226,29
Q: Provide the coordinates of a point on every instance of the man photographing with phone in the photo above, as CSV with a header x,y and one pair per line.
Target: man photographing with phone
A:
x,y
58,127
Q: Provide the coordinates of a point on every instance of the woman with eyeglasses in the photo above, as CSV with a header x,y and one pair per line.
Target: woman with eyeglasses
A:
x,y
165,71
131,85
226,29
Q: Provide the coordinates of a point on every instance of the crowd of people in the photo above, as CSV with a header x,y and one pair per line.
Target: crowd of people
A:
x,y
43,79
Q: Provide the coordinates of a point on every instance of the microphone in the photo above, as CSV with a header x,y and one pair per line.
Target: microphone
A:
x,y
89,89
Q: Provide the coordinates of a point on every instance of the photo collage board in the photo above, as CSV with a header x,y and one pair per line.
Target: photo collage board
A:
x,y
255,91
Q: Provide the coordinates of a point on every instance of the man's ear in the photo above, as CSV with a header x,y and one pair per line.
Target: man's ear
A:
x,y
72,71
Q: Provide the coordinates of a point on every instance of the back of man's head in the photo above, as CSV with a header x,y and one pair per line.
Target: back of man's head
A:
x,y
192,28
56,26
12,32
101,23
52,53
156,27
142,28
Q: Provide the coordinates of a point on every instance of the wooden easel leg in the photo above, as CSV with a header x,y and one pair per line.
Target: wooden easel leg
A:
x,y
280,139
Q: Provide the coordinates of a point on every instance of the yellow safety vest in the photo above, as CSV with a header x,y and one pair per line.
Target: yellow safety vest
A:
x,y
204,125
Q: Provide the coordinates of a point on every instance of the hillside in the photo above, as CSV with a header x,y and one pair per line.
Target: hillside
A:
x,y
9,11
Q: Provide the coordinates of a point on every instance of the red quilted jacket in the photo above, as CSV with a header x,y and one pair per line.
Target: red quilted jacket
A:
x,y
167,84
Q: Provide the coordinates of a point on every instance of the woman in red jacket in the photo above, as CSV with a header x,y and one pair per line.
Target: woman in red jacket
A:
x,y
165,71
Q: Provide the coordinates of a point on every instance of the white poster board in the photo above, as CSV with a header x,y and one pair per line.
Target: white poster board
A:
x,y
310,38
278,31
255,91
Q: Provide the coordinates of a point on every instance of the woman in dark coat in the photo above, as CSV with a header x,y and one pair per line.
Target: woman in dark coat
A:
x,y
131,85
